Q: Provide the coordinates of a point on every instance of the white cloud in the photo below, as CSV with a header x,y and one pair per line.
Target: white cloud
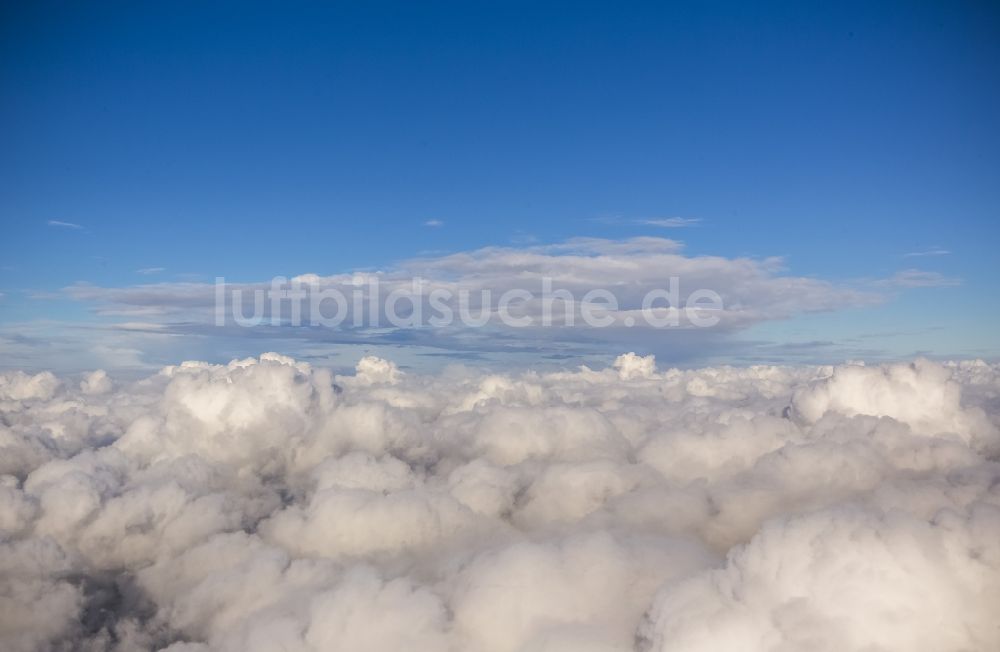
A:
x,y
752,290
268,504
917,278
434,223
150,270
815,581
64,225
937,251
670,222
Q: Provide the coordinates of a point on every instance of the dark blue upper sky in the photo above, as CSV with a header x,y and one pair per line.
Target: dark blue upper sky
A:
x,y
251,139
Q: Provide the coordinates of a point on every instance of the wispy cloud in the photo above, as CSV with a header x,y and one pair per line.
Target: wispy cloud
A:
x,y
434,224
937,251
918,278
523,238
64,225
670,222
150,270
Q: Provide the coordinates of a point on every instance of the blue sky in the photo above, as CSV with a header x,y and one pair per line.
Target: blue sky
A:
x,y
248,140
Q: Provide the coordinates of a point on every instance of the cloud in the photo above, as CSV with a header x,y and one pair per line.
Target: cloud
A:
x,y
158,298
150,270
937,251
434,223
753,291
64,225
269,504
670,222
916,278
661,222
854,562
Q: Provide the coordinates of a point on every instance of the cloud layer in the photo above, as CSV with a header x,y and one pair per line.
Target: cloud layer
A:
x,y
266,504
752,290
714,302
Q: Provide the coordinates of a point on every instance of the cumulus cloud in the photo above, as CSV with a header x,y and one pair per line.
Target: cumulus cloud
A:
x,y
844,579
96,382
268,504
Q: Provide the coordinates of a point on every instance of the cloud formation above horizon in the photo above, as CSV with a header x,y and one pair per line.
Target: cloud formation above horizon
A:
x,y
268,504
751,291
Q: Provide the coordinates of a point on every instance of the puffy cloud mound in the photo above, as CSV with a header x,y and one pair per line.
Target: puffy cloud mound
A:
x,y
266,504
921,395
845,580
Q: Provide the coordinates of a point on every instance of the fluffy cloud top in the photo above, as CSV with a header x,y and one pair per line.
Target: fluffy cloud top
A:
x,y
266,504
